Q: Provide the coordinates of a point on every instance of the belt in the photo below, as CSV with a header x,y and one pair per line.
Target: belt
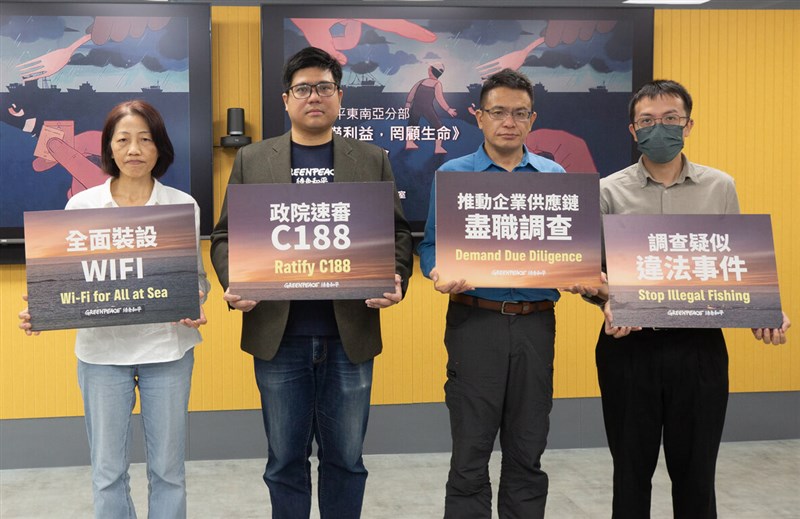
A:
x,y
504,307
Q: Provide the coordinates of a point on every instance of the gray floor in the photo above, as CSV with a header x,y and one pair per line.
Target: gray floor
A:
x,y
755,480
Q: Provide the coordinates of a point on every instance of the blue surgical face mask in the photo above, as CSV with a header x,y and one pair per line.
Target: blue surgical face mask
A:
x,y
660,143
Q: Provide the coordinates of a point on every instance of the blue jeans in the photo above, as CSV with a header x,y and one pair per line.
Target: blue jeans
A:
x,y
108,400
311,391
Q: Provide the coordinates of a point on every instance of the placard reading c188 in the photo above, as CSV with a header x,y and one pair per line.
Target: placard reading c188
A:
x,y
692,271
111,266
517,230
311,241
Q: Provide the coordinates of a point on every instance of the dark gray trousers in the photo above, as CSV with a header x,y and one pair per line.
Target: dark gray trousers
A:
x,y
499,377
670,384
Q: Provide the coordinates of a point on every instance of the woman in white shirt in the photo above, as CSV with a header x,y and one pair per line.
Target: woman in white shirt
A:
x,y
158,358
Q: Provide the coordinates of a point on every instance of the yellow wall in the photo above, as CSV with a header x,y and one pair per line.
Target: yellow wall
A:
x,y
742,70
740,67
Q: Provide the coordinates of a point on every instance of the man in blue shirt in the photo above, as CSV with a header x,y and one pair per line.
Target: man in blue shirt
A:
x,y
499,342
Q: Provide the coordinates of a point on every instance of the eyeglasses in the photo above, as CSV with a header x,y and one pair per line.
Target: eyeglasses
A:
x,y
520,115
323,89
667,120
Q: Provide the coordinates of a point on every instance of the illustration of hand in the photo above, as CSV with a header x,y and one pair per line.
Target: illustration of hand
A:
x,y
117,28
317,32
568,31
567,149
50,63
104,28
402,28
452,112
85,173
512,60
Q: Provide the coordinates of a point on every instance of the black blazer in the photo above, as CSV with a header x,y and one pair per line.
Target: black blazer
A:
x,y
268,162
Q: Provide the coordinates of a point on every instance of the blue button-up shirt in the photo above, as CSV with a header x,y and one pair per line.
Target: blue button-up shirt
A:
x,y
480,161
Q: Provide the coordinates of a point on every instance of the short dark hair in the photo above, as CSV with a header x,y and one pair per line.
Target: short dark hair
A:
x,y
166,153
658,88
311,57
507,78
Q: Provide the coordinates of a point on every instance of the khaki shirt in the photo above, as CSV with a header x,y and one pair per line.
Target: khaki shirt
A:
x,y
698,190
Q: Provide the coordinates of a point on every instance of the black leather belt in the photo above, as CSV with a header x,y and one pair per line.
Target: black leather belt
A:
x,y
504,307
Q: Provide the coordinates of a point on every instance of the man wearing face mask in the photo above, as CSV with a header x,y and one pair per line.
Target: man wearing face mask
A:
x,y
664,381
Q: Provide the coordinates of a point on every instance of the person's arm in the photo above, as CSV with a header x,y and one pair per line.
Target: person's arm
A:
x,y
412,93
774,336
608,326
427,253
203,285
439,93
427,247
219,243
731,199
403,243
403,257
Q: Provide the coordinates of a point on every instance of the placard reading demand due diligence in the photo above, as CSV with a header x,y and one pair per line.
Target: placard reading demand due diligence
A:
x,y
518,230
311,241
111,266
692,271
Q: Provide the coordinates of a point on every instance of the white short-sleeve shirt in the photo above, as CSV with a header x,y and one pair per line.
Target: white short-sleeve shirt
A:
x,y
138,343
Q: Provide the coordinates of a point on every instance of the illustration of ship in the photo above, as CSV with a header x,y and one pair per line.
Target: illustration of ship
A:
x,y
84,89
152,89
599,89
32,89
362,79
474,88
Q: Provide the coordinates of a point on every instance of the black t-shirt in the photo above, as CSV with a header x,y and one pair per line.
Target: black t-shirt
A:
x,y
312,165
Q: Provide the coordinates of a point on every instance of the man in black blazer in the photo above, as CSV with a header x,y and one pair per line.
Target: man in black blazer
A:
x,y
313,359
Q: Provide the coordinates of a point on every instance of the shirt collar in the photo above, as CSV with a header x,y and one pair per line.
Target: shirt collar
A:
x,y
483,161
157,196
687,172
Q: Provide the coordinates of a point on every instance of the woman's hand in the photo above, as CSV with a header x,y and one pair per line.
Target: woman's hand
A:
x,y
25,319
200,321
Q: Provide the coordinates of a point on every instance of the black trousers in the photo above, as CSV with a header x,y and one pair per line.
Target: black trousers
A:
x,y
499,377
671,382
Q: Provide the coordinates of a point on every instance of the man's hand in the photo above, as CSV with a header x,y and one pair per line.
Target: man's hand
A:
x,y
389,298
453,287
601,290
616,331
245,305
774,336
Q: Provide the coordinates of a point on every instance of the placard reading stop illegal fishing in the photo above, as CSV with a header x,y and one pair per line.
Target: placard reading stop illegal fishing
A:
x,y
692,271
111,266
311,241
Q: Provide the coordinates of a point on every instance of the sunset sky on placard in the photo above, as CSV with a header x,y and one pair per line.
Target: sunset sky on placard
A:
x,y
46,231
750,238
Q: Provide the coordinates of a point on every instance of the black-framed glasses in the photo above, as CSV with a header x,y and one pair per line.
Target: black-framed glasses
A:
x,y
323,89
667,120
520,115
